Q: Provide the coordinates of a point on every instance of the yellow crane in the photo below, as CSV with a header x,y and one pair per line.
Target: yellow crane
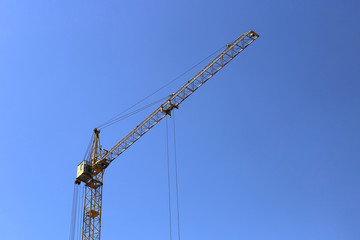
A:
x,y
90,172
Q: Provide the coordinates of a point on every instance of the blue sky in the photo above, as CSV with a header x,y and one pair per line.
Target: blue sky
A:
x,y
267,149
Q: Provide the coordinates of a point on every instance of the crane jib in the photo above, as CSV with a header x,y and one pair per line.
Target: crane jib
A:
x,y
91,171
231,51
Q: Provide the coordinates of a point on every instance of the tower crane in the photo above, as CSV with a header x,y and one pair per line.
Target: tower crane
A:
x,y
91,170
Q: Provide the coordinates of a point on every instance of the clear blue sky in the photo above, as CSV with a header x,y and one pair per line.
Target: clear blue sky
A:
x,y
267,149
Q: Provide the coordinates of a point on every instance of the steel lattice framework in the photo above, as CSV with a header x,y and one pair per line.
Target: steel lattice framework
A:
x,y
100,159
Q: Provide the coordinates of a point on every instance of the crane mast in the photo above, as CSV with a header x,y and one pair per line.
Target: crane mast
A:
x,y
91,170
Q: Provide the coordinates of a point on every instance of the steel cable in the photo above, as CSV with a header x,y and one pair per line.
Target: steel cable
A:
x,y
168,168
86,156
158,90
76,214
81,210
73,213
176,178
76,202
130,114
72,216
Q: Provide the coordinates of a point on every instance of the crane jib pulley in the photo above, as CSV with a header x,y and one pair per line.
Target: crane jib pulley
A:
x,y
91,170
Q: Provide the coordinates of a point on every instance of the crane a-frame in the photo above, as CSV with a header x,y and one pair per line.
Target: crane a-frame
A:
x,y
91,170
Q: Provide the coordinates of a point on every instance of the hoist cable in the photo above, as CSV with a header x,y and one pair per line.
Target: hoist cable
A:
x,y
86,156
76,202
176,178
73,213
71,235
158,90
168,168
81,210
131,113
78,213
